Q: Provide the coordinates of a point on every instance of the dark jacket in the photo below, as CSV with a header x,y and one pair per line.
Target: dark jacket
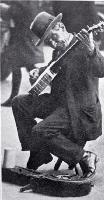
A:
x,y
76,87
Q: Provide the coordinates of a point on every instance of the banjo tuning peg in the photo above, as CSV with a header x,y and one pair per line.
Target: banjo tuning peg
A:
x,y
88,27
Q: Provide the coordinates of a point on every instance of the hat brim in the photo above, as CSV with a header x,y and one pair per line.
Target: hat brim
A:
x,y
58,18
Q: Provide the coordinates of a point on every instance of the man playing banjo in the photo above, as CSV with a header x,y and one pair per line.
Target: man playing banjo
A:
x,y
71,113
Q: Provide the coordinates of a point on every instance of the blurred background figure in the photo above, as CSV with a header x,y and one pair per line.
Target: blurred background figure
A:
x,y
17,46
100,11
5,24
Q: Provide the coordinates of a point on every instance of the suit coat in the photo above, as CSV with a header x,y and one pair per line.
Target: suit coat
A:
x,y
76,87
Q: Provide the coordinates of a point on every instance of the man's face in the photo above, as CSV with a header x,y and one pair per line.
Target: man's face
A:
x,y
58,37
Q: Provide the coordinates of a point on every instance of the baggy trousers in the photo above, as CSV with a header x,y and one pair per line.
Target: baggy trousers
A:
x,y
53,134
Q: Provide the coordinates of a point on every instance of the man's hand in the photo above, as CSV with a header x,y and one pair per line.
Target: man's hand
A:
x,y
87,41
33,75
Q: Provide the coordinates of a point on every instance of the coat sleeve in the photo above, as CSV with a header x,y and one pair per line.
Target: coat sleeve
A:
x,y
96,64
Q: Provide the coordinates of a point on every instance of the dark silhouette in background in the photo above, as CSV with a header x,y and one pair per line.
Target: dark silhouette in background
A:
x,y
20,51
77,15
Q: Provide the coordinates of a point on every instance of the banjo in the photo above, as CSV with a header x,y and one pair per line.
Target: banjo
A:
x,y
49,74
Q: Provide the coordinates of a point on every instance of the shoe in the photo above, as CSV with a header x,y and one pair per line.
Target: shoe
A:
x,y
70,167
88,164
36,160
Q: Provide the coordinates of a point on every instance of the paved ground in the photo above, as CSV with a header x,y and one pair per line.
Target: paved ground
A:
x,y
10,139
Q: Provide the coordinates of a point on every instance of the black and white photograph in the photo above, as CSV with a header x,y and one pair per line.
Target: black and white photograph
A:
x,y
52,99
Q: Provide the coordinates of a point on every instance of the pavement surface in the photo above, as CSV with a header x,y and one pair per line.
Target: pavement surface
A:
x,y
9,139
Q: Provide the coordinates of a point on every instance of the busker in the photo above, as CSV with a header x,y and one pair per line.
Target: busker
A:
x,y
71,113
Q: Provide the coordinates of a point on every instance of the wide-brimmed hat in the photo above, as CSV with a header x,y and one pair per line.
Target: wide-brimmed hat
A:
x,y
42,24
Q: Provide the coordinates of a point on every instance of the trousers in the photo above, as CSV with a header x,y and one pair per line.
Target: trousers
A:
x,y
53,134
